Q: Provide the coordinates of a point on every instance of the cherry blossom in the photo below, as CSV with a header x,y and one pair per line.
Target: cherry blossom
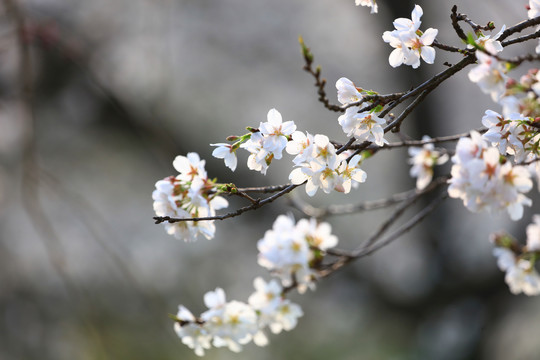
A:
x,y
319,169
190,166
533,234
349,173
364,126
483,183
347,92
490,44
420,47
534,8
285,253
190,194
409,43
275,133
318,235
194,335
490,75
260,158
423,160
274,310
521,275
227,153
371,3
301,145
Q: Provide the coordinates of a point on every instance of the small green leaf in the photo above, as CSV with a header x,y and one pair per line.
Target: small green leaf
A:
x,y
377,108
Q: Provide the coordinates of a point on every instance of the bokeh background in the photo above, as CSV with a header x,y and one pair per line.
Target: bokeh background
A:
x,y
120,87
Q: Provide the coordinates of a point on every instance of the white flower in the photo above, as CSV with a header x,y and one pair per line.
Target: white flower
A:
x,y
275,133
514,180
274,311
286,317
492,45
350,174
419,47
398,55
215,299
267,295
284,252
534,168
260,158
192,334
483,183
408,45
423,159
498,130
320,168
533,234
190,166
225,152
301,145
510,134
190,194
231,324
235,326
534,8
365,126
347,92
520,273
510,105
490,75
404,24
318,235
371,3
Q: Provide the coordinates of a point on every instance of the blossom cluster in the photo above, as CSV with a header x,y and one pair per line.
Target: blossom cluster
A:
x,y
488,174
189,194
518,262
409,43
264,144
514,134
318,164
234,323
363,125
316,160
289,251
483,182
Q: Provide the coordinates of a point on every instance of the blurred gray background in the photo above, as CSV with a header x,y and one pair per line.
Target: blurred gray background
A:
x,y
123,86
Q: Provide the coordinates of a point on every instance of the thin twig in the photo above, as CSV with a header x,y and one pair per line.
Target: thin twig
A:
x,y
319,82
519,27
264,189
455,23
253,206
521,39
346,257
395,125
402,229
449,48
435,140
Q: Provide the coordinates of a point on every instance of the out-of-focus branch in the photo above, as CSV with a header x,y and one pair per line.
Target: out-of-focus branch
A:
x,y
336,210
346,257
31,176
